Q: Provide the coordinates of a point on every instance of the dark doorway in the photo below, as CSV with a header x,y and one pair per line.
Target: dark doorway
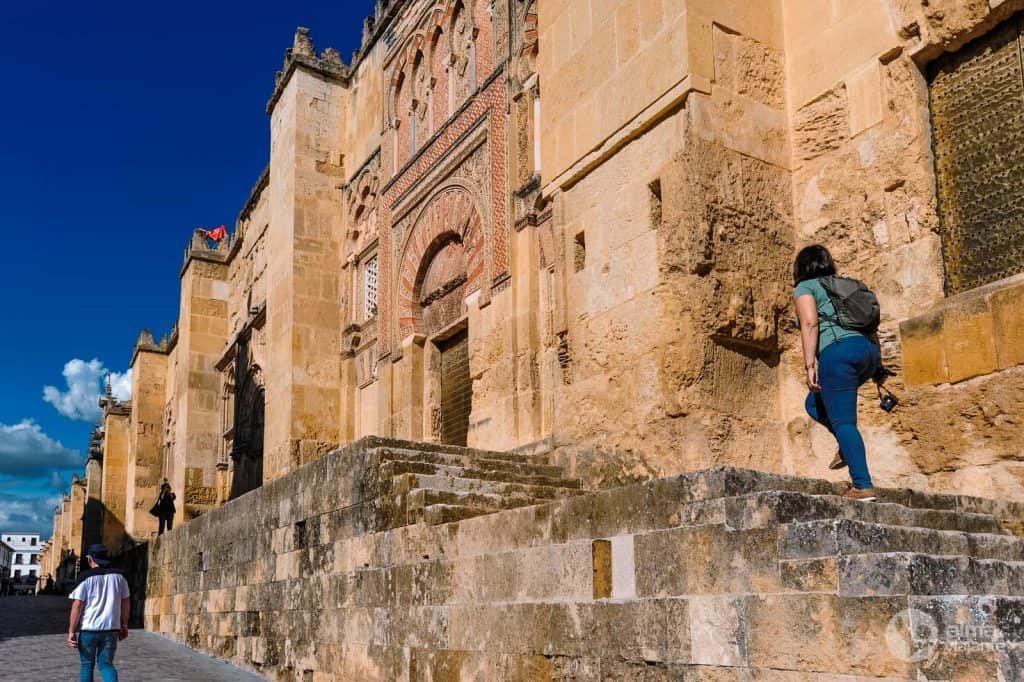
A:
x,y
456,389
247,452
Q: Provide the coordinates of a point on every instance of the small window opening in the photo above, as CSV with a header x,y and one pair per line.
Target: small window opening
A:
x,y
580,252
655,202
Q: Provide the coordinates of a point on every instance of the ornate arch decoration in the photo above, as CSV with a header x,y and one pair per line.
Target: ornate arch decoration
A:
x,y
526,59
362,192
247,450
450,221
460,51
398,83
419,83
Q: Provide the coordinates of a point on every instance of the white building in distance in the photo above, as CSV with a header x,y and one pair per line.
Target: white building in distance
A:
x,y
26,548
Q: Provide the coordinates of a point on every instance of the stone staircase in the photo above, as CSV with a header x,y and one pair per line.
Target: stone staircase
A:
x,y
792,577
432,484
396,560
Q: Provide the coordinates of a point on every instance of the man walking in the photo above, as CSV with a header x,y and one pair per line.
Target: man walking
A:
x,y
99,615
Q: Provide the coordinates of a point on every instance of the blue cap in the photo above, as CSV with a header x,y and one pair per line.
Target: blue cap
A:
x,y
99,554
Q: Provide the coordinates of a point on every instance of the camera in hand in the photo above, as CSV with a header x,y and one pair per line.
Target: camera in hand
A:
x,y
886,399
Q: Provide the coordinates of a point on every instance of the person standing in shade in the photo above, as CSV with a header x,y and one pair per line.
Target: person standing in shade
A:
x,y
99,615
164,508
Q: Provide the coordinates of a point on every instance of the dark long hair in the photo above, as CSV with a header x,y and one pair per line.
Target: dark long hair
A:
x,y
812,262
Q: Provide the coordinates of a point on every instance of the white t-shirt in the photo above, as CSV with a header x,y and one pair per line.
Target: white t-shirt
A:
x,y
102,595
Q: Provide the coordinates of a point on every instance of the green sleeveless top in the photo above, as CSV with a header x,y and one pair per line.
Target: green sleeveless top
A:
x,y
828,331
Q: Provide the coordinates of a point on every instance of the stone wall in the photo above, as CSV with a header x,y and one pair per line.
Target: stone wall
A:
x,y
303,262
864,184
676,237
146,431
195,396
624,184
724,573
115,486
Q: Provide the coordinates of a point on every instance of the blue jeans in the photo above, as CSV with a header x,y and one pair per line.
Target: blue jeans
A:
x,y
97,649
842,368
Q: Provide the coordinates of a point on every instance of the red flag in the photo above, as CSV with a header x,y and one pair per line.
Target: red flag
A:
x,y
218,234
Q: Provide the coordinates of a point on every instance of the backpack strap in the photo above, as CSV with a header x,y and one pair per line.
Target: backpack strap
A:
x,y
834,319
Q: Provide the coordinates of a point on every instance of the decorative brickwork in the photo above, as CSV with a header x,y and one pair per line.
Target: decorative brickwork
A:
x,y
451,217
488,171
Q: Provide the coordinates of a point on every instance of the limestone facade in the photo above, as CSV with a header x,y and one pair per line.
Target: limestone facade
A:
x,y
567,226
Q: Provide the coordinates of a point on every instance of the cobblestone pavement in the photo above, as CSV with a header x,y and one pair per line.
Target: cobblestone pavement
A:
x,y
33,631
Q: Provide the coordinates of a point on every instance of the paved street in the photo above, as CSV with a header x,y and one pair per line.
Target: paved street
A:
x,y
33,631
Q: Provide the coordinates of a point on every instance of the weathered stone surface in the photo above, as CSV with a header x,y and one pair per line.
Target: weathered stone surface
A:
x,y
712,588
600,203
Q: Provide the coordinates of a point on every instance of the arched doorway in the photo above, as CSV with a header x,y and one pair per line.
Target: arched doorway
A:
x,y
443,264
441,290
247,453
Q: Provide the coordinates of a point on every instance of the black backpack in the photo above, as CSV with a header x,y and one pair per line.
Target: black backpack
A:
x,y
856,305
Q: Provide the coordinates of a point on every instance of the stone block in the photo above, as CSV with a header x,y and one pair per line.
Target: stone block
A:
x,y
924,352
822,125
1007,307
809,575
823,633
717,631
705,560
864,92
968,339
623,568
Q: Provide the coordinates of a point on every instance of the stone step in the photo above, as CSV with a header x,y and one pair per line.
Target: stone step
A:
x,y
407,482
393,468
911,573
470,460
439,448
423,498
811,539
781,507
719,482
439,514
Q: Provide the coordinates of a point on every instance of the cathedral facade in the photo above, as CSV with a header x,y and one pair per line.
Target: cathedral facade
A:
x,y
567,226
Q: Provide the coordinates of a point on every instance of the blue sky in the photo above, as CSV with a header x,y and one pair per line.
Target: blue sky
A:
x,y
123,126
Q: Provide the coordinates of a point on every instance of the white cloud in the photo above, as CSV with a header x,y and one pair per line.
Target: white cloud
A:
x,y
121,385
26,451
27,514
81,400
84,387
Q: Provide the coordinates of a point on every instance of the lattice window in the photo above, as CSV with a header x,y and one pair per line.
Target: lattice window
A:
x,y
370,288
977,103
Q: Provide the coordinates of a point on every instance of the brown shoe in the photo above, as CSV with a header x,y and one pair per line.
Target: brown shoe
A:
x,y
860,494
837,462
